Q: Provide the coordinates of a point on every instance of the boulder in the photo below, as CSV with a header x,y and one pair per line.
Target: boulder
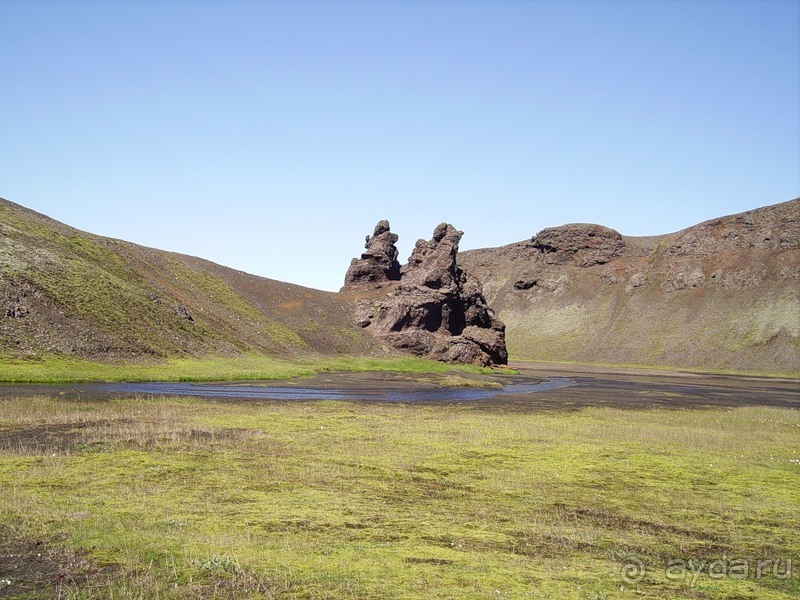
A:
x,y
583,244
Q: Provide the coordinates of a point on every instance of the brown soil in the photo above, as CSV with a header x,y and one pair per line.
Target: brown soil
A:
x,y
36,569
96,436
53,438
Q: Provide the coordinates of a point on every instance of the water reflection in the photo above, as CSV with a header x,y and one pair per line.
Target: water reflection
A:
x,y
388,394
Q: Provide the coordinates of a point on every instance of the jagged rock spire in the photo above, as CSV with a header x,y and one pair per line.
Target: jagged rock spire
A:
x,y
378,263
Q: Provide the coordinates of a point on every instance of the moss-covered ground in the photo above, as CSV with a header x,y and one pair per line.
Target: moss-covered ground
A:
x,y
57,369
183,498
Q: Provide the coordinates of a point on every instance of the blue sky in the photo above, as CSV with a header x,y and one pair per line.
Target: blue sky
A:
x,y
272,136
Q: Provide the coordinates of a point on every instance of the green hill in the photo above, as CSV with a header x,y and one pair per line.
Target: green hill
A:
x,y
67,292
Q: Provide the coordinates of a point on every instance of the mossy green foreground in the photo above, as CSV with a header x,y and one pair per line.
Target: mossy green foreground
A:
x,y
182,498
56,369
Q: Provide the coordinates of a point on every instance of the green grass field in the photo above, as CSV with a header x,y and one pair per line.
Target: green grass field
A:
x,y
197,499
56,369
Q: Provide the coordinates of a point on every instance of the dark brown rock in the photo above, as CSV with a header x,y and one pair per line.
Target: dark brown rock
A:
x,y
759,229
432,263
183,312
15,300
583,244
378,263
525,281
437,309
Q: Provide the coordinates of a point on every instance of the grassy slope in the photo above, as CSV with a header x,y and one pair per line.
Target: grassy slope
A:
x,y
93,297
190,499
749,325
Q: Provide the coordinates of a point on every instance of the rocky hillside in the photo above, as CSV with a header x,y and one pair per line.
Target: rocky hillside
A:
x,y
63,291
724,294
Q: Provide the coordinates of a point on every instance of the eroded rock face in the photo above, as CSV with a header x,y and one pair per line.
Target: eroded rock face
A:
x,y
437,310
378,263
760,229
583,244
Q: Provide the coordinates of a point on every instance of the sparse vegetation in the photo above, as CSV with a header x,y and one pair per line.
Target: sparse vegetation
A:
x,y
212,288
190,499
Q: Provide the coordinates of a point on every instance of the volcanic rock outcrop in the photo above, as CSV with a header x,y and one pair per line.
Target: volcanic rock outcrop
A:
x,y
584,244
436,309
379,263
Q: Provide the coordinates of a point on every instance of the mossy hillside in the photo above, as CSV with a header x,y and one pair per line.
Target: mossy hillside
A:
x,y
89,281
115,305
183,498
646,330
208,288
95,297
766,320
44,234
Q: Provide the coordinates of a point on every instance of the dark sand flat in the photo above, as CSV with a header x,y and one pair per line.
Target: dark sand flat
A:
x,y
538,386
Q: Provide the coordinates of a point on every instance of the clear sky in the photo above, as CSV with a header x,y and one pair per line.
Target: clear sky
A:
x,y
271,136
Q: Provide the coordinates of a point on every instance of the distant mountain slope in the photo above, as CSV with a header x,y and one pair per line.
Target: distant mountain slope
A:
x,y
724,294
63,291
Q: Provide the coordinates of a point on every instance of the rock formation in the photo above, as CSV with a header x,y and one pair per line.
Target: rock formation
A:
x,y
436,310
583,244
379,263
